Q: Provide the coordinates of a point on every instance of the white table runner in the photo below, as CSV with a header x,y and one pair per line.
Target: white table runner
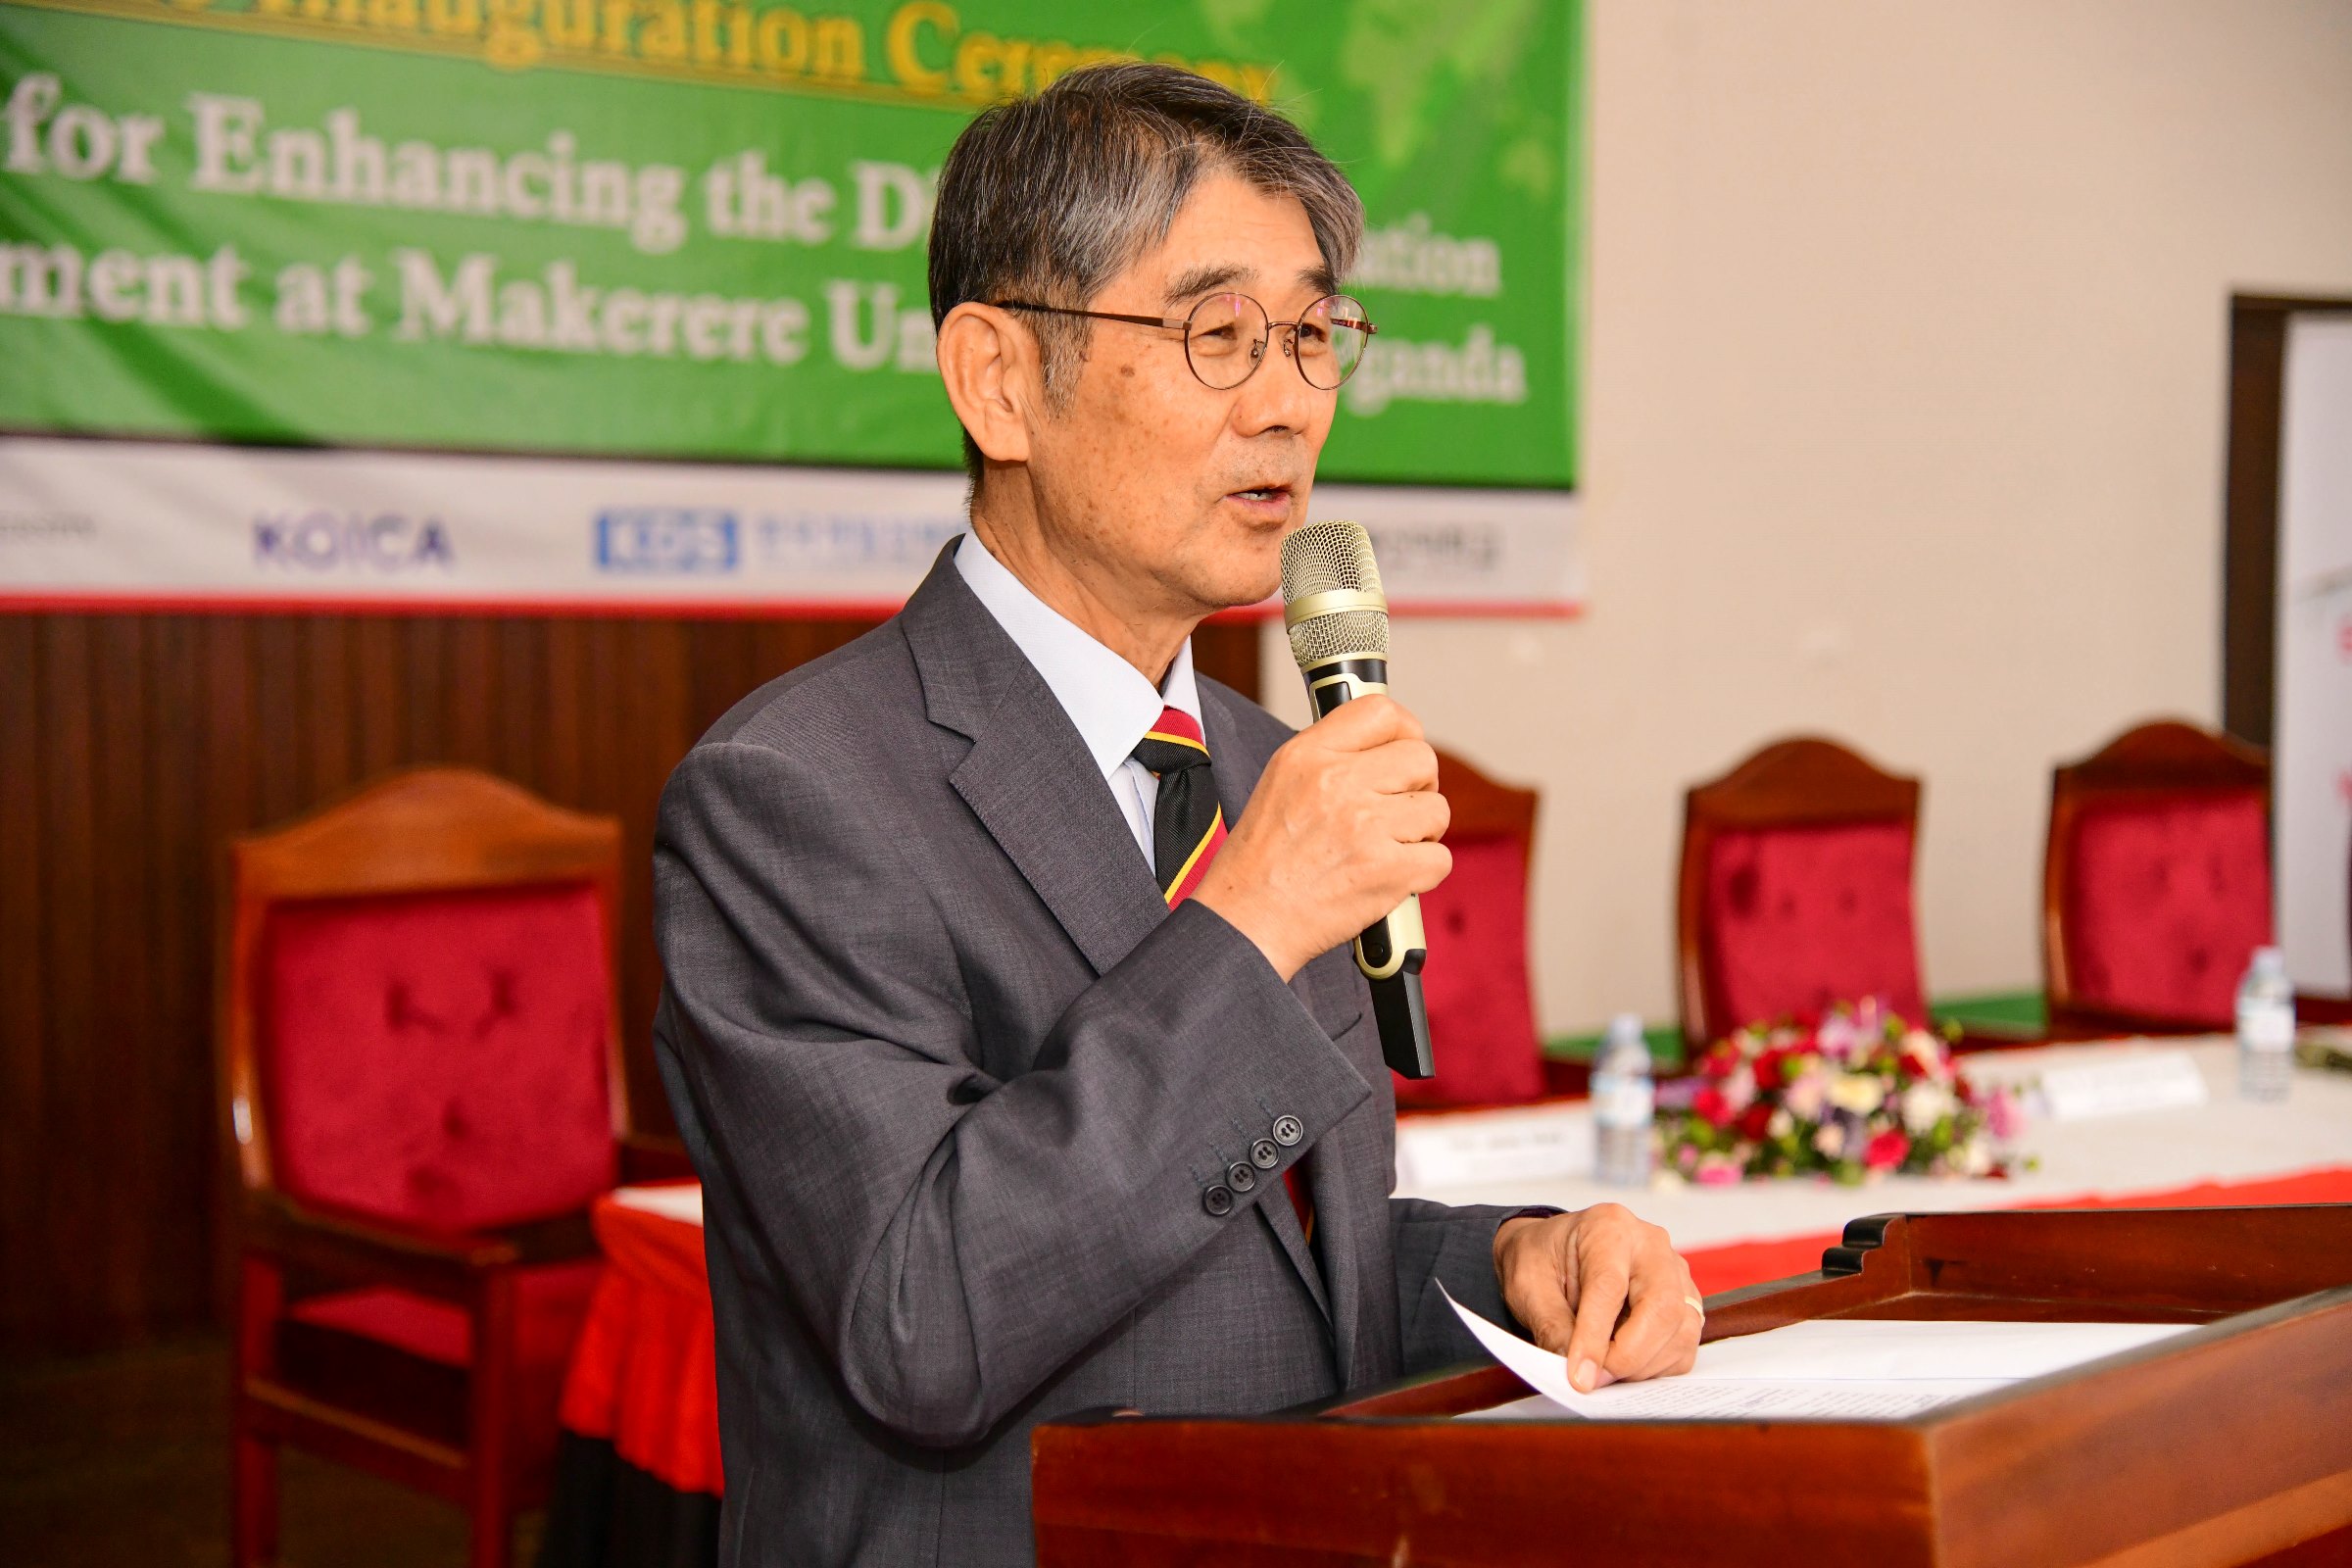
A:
x,y
2227,1140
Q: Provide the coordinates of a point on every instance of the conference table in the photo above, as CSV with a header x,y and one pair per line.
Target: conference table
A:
x,y
640,1477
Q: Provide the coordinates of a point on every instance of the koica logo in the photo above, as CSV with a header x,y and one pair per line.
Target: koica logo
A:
x,y
667,540
351,541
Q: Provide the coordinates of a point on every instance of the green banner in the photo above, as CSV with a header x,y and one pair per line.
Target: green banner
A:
x,y
695,227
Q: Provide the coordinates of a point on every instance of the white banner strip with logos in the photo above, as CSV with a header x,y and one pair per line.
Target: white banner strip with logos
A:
x,y
130,524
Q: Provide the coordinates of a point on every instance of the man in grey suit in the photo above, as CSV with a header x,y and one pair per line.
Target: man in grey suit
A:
x,y
1010,1016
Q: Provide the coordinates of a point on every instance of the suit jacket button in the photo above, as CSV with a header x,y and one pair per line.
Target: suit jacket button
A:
x,y
1240,1177
1219,1200
1288,1131
1264,1155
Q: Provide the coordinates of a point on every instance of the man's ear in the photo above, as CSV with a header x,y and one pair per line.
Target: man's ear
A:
x,y
988,362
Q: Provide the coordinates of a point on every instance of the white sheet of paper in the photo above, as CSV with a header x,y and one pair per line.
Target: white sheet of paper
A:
x,y
1537,1367
1684,1399
1825,1368
1887,1349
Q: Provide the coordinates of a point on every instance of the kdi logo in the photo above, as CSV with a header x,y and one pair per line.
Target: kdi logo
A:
x,y
667,540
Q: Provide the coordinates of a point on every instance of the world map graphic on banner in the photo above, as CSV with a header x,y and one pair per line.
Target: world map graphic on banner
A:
x,y
596,300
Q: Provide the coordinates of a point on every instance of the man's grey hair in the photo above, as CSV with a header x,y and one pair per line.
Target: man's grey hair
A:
x,y
1047,199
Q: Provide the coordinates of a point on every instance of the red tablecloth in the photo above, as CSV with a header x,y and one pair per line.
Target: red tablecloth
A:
x,y
643,1376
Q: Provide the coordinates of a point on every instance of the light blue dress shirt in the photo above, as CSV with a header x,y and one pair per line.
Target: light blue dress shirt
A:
x,y
1108,699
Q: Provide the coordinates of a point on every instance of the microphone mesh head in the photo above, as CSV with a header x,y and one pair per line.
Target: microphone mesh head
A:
x,y
1328,557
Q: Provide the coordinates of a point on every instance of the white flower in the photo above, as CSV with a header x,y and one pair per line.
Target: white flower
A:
x,y
1923,1104
1830,1141
1857,1092
1972,1158
1780,1125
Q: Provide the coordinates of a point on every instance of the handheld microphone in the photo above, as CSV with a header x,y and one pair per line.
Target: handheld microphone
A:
x,y
1338,619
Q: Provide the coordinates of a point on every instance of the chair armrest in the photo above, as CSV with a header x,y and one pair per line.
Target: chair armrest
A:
x,y
1564,1077
439,1263
2311,1008
557,1239
2096,1023
651,1157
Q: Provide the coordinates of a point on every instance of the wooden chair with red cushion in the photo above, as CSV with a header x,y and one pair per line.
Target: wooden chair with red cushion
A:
x,y
421,1074
2156,883
1795,891
1482,1015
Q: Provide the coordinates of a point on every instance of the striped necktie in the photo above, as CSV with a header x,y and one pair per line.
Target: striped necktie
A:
x,y
1188,824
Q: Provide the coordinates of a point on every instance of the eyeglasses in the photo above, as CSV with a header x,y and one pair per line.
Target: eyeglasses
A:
x,y
1225,336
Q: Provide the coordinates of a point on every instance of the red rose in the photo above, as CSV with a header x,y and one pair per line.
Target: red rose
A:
x,y
1771,1068
1887,1149
1710,1103
1754,1121
1719,1063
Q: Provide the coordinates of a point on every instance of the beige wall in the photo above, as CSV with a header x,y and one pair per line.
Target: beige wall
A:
x,y
1903,421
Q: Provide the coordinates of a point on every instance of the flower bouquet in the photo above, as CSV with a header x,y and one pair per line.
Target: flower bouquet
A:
x,y
1858,1093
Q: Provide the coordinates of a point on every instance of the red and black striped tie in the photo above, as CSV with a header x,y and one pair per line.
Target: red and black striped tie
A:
x,y
1187,826
1187,822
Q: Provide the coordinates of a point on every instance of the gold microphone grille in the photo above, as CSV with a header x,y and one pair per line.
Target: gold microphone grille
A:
x,y
1333,557
1321,639
1326,556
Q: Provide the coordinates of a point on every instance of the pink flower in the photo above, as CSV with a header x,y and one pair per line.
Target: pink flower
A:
x,y
1739,1090
1838,1037
1718,1170
1886,1150
2002,1116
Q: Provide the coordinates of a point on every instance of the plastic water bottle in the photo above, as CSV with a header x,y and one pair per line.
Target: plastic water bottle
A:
x,y
1624,1103
2266,1027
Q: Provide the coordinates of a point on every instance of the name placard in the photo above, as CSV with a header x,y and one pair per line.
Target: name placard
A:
x,y
2128,1083
1476,1148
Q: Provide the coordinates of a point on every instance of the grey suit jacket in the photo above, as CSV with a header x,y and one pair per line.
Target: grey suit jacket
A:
x,y
960,1085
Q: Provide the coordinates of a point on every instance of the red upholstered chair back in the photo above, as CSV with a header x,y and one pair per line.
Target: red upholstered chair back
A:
x,y
1482,1013
1796,890
420,1013
2156,883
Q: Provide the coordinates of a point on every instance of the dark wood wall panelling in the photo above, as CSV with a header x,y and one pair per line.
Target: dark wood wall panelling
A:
x,y
133,746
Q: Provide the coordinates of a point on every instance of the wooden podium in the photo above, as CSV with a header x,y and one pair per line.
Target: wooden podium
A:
x,y
2222,1446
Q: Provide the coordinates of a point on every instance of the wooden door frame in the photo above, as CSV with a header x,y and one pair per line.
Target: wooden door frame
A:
x,y
2258,326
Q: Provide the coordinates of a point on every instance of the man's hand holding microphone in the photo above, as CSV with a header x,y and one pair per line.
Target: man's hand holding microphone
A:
x,y
1344,824
1342,829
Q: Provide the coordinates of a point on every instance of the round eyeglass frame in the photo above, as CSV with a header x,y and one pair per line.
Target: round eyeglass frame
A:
x,y
1184,324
